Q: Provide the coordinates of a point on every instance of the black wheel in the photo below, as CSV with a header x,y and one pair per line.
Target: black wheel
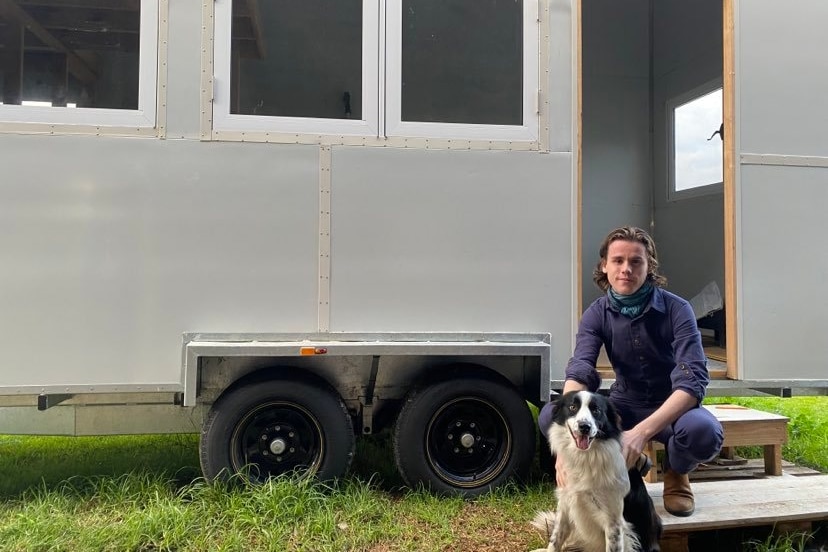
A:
x,y
464,436
275,427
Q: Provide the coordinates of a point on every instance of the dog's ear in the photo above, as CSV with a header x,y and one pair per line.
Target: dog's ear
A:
x,y
559,399
613,416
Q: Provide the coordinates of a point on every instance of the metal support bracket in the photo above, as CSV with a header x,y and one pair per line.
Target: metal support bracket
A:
x,y
48,401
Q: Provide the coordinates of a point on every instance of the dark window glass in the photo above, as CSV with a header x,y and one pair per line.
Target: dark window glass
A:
x,y
70,53
462,61
297,58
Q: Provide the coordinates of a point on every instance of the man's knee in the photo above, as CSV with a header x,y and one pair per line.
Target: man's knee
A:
x,y
545,418
699,433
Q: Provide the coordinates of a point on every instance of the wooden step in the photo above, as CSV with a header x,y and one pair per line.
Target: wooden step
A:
x,y
772,501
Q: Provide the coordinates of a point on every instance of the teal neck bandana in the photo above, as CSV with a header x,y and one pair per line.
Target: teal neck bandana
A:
x,y
631,305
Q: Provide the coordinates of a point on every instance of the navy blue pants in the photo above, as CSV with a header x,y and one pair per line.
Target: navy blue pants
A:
x,y
694,438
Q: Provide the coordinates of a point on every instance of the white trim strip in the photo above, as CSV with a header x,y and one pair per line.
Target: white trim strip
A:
x,y
161,85
783,160
324,309
208,38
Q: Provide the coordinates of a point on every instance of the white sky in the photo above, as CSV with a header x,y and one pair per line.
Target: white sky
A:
x,y
698,162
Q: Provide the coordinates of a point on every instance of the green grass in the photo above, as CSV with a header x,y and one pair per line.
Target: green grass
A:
x,y
794,542
144,493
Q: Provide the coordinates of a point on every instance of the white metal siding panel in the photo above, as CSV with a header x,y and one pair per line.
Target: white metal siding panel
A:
x,y
560,78
184,69
783,77
452,241
784,268
112,248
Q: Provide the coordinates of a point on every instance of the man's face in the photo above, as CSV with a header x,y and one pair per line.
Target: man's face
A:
x,y
626,266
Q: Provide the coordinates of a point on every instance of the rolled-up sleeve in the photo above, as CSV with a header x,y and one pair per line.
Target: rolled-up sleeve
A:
x,y
690,372
588,342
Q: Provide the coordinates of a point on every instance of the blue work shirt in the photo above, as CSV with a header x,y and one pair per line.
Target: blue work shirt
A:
x,y
653,354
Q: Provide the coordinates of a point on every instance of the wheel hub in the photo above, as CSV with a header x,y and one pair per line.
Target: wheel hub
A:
x,y
279,440
277,446
464,436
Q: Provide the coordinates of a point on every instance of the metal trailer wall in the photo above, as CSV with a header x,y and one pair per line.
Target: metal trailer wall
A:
x,y
114,247
687,50
617,172
782,170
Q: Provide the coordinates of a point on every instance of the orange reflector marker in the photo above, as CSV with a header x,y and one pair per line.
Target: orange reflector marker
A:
x,y
304,351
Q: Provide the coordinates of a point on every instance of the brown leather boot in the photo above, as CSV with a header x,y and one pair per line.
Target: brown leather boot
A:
x,y
678,496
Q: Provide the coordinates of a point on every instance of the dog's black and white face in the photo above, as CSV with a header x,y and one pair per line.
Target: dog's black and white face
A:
x,y
587,416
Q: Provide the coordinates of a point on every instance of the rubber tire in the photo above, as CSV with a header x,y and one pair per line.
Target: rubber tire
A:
x,y
502,418
319,423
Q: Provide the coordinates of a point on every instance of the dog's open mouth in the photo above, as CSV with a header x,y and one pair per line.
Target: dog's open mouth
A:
x,y
581,441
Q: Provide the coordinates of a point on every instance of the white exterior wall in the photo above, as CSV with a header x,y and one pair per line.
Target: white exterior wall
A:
x,y
781,223
113,247
465,241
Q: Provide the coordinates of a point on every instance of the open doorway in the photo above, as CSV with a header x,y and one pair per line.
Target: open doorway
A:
x,y
653,131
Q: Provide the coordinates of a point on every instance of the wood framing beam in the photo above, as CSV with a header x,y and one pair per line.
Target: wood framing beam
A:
x,y
256,25
90,20
77,66
126,5
729,174
11,63
579,151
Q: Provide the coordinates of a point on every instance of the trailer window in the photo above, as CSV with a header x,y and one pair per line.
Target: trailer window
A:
x,y
696,158
78,62
461,65
423,68
297,59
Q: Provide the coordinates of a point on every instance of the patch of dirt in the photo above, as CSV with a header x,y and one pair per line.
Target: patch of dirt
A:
x,y
477,528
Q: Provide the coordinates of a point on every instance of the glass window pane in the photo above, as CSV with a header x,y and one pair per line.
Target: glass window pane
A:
x,y
462,61
698,150
297,58
70,54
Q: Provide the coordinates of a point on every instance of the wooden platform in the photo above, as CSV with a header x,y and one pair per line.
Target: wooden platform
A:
x,y
773,501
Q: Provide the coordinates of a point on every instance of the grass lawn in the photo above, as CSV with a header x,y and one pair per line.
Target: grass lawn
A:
x,y
144,493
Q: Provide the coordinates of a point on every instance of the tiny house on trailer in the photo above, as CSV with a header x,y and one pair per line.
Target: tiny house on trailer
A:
x,y
283,224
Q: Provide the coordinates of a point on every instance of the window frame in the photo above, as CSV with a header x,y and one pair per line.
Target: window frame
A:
x,y
381,94
225,121
671,105
528,131
144,117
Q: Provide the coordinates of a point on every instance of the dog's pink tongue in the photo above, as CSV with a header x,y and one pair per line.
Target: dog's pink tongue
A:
x,y
582,442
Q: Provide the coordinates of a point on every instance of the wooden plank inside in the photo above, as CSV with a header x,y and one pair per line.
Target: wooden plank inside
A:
x,y
743,503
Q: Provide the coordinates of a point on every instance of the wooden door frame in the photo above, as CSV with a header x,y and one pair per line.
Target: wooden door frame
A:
x,y
728,169
729,185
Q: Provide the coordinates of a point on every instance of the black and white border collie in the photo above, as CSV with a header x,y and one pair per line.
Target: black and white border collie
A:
x,y
602,507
